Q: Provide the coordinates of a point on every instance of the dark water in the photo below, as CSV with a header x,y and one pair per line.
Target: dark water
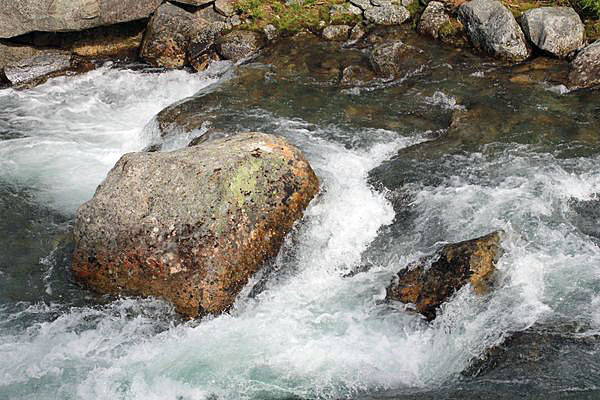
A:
x,y
455,147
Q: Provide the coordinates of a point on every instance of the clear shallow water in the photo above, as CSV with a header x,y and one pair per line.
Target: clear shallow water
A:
x,y
302,329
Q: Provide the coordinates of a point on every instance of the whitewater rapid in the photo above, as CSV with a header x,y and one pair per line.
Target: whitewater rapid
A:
x,y
303,328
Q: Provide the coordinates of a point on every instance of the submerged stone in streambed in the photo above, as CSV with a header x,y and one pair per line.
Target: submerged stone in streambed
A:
x,y
492,28
427,284
585,68
538,350
192,225
393,58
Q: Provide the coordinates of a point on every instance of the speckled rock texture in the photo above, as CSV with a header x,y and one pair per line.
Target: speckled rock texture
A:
x,y
43,64
492,28
23,16
336,32
192,225
393,58
387,14
428,284
432,19
555,30
238,45
168,35
585,68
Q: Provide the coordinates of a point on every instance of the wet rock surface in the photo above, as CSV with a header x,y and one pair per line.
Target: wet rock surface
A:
x,y
585,68
239,45
168,34
555,30
429,283
492,28
37,67
195,231
20,17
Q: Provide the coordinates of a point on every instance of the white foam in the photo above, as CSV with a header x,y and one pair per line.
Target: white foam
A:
x,y
78,127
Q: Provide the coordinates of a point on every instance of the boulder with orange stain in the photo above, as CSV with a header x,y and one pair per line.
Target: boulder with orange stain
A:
x,y
192,225
427,284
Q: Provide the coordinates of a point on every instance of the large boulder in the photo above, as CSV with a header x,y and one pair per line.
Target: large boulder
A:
x,y
168,35
192,225
492,28
585,68
431,281
33,69
555,30
24,16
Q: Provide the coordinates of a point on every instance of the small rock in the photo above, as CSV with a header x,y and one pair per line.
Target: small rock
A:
x,y
37,67
556,30
168,34
391,14
192,225
238,45
234,20
225,7
428,284
432,19
270,31
385,57
362,4
344,13
202,45
492,28
194,2
336,32
358,32
585,68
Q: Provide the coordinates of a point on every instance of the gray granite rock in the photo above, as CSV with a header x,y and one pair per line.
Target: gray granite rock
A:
x,y
492,28
238,45
336,32
392,14
555,30
23,16
37,67
585,68
432,19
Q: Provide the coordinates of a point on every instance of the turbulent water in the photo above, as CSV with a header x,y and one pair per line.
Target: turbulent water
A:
x,y
396,185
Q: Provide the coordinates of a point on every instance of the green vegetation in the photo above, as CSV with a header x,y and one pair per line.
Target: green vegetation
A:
x,y
592,29
287,18
587,7
450,29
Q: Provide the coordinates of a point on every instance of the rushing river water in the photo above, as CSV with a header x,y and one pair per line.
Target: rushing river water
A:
x,y
454,149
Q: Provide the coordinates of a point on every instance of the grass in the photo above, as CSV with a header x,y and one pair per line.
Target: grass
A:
x,y
587,7
292,18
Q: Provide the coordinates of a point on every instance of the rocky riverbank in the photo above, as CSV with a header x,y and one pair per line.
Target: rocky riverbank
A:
x,y
38,44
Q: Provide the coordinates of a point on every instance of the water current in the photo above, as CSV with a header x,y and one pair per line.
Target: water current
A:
x,y
401,173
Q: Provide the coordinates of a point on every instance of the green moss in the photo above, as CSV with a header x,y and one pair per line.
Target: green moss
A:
x,y
450,29
243,182
292,18
592,29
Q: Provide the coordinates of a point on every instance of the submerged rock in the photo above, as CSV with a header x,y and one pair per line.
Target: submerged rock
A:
x,y
428,284
23,16
388,59
41,65
192,225
492,28
556,30
585,68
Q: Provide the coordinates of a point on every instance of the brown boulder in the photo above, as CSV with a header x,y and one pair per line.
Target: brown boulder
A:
x,y
428,284
192,225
